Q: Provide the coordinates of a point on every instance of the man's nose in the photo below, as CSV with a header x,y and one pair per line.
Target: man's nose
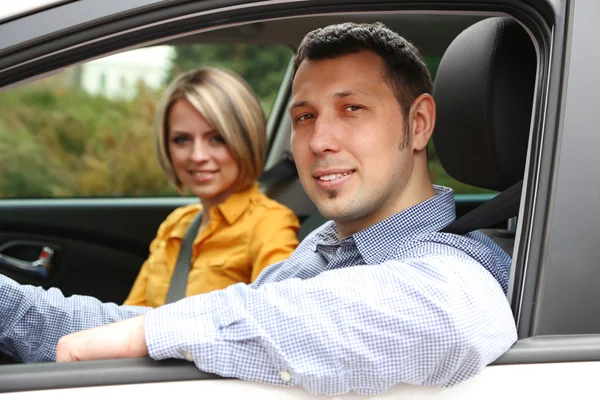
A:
x,y
324,138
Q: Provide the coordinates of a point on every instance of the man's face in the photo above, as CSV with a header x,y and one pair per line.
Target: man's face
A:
x,y
347,140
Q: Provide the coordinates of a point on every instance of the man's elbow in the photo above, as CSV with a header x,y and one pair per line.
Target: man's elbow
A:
x,y
477,344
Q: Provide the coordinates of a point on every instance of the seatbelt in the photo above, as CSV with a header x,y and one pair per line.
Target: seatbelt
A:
x,y
283,170
500,208
184,262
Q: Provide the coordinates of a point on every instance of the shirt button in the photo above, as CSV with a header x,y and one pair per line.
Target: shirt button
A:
x,y
188,356
285,376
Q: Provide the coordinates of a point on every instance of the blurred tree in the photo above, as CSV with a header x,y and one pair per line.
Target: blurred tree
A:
x,y
262,66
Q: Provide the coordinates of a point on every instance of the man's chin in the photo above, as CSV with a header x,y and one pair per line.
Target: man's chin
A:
x,y
338,214
337,205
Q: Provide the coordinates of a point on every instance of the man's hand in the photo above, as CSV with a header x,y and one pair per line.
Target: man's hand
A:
x,y
123,339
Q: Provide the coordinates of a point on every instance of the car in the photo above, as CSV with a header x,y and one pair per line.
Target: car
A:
x,y
516,93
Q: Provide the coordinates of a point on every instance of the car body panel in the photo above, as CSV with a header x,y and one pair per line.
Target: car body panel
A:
x,y
496,382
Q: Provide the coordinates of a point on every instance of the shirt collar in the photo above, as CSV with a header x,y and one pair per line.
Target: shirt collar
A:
x,y
235,205
426,217
230,210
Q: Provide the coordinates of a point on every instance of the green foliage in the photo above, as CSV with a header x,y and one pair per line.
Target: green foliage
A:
x,y
262,66
57,142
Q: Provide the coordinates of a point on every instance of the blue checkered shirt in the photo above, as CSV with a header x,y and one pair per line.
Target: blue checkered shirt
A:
x,y
396,302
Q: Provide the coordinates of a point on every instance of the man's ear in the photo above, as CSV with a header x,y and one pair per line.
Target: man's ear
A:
x,y
421,121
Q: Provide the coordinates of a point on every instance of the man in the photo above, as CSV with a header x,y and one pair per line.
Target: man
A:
x,y
372,298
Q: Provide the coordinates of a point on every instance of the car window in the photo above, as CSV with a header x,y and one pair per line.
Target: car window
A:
x,y
87,131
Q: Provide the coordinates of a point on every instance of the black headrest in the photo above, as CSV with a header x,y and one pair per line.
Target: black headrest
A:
x,y
484,93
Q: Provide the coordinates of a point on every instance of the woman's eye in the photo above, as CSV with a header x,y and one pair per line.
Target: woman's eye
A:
x,y
217,139
179,139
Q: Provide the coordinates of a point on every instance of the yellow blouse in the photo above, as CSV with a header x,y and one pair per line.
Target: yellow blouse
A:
x,y
246,233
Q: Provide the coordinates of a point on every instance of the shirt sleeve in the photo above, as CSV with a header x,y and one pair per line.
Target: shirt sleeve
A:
x,y
433,321
32,319
274,239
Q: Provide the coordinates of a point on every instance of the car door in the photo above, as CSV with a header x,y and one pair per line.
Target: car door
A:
x,y
554,272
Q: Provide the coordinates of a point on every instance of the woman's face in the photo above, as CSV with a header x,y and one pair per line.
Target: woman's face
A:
x,y
200,158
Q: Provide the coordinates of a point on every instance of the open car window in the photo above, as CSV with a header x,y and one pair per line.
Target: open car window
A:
x,y
87,130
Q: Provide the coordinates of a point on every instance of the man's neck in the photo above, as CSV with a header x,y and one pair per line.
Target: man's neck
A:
x,y
417,190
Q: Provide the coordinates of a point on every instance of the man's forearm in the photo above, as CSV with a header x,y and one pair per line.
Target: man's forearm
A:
x,y
32,320
123,339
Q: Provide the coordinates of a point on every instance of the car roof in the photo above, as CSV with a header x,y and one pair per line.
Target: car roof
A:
x,y
290,31
15,9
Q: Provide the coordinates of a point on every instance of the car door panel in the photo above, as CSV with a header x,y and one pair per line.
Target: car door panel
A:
x,y
99,244
495,382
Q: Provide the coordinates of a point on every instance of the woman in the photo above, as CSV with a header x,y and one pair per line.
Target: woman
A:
x,y
210,137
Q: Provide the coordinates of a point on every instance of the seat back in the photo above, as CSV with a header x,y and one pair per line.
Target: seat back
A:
x,y
484,94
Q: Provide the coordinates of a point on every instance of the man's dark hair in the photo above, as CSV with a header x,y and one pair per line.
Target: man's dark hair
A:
x,y
405,70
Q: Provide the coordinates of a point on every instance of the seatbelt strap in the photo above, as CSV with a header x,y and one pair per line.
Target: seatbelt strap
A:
x,y
184,262
500,208
283,170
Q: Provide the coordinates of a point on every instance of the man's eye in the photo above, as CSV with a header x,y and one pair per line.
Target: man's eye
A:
x,y
352,108
303,117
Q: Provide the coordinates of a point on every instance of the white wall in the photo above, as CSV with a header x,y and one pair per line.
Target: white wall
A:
x,y
117,76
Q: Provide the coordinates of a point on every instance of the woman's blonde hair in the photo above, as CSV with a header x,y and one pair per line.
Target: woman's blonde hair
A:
x,y
229,104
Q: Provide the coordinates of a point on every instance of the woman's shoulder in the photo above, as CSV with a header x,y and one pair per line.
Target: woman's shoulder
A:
x,y
173,221
263,205
180,215
261,200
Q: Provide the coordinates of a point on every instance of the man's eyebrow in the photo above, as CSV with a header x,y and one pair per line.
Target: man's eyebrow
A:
x,y
342,94
297,104
352,92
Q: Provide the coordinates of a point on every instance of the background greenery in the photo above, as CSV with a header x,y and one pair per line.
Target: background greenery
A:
x,y
58,141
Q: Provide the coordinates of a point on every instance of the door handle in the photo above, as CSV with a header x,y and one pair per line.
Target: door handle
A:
x,y
39,267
